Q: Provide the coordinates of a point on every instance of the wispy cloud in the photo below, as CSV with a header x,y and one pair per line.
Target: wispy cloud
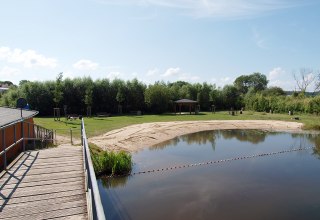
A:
x,y
85,65
222,81
259,39
171,72
275,73
215,8
29,58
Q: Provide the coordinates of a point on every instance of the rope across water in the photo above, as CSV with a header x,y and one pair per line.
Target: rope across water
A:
x,y
221,161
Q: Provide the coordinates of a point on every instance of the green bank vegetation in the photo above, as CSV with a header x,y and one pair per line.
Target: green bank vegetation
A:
x,y
110,163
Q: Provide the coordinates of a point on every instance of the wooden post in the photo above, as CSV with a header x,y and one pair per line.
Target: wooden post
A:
x,y
71,136
55,136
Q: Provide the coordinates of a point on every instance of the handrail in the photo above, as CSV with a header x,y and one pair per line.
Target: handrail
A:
x,y
95,208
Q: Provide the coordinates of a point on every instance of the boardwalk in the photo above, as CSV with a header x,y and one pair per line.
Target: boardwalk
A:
x,y
45,184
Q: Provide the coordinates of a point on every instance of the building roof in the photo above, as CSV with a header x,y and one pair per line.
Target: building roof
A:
x,y
185,101
12,115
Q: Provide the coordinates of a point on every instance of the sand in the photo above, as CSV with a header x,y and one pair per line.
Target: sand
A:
x,y
137,137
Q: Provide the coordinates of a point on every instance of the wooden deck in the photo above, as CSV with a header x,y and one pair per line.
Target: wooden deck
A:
x,y
45,184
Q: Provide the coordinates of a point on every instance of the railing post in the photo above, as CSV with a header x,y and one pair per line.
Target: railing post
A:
x,y
71,136
55,136
82,132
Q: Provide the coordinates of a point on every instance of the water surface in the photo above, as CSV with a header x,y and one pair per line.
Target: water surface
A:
x,y
282,186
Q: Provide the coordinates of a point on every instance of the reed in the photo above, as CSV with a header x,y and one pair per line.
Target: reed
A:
x,y
110,163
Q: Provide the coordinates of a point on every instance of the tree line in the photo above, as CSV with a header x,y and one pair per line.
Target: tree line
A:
x,y
250,92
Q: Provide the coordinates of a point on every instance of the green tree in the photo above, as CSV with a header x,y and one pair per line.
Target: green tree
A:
x,y
257,81
58,94
157,97
274,91
231,97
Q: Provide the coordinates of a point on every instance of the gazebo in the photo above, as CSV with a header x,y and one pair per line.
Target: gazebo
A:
x,y
185,102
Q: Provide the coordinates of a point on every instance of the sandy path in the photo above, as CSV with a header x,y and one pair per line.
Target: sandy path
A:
x,y
136,137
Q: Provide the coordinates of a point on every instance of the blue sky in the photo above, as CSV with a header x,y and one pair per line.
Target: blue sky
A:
x,y
195,41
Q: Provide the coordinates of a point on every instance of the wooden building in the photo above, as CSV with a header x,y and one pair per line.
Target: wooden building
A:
x,y
16,127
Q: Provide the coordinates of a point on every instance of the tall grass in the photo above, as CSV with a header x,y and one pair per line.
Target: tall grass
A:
x,y
110,163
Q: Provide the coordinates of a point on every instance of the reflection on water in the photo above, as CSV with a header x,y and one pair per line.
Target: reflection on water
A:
x,y
204,137
114,182
194,138
252,136
283,186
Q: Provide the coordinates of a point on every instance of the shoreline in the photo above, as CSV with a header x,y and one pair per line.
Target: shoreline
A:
x,y
140,136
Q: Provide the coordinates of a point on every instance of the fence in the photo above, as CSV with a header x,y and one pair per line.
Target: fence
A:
x,y
17,137
95,209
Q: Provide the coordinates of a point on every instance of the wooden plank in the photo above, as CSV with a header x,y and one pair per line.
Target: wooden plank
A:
x,y
53,176
42,189
48,207
44,197
34,191
67,212
37,203
59,169
50,165
42,183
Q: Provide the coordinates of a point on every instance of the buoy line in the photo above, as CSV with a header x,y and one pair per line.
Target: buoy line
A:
x,y
221,161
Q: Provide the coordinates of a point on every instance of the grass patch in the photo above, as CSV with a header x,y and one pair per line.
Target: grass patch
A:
x,y
110,163
97,126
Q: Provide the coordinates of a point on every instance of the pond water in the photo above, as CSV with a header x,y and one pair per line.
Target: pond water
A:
x,y
280,186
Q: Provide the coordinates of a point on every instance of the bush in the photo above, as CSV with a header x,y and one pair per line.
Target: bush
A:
x,y
111,163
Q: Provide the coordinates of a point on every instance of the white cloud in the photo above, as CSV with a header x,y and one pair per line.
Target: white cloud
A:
x,y
9,72
260,40
222,81
275,73
85,65
153,72
171,72
216,8
28,58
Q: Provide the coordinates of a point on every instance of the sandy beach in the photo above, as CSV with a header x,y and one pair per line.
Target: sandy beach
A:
x,y
136,137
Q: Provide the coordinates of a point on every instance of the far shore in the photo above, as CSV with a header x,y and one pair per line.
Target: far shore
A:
x,y
139,136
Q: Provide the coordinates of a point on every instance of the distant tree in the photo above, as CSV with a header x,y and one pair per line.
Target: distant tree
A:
x,y
231,97
304,78
58,94
23,82
257,81
88,99
135,94
157,97
274,91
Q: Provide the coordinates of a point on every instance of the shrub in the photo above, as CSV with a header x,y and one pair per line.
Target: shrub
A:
x,y
111,163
